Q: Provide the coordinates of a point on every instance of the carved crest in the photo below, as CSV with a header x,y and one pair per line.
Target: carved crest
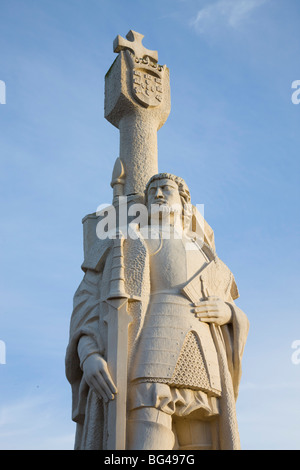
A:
x,y
147,74
147,87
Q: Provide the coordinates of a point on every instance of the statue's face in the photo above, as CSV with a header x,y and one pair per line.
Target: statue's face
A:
x,y
164,192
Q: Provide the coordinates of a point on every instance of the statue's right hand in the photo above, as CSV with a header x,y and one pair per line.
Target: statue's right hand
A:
x,y
98,378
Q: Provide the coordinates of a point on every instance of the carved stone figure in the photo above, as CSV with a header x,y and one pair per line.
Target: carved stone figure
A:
x,y
156,340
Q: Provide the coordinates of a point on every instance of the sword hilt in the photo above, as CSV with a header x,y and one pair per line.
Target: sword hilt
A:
x,y
117,280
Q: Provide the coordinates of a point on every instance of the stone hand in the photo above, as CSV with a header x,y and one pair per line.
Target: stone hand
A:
x,y
213,310
97,376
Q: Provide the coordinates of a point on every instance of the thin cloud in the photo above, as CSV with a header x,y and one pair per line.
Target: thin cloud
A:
x,y
228,13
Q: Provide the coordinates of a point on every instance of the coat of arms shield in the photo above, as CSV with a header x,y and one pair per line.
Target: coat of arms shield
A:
x,y
147,87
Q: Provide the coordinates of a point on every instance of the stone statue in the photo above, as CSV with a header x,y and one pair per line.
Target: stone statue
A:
x,y
156,340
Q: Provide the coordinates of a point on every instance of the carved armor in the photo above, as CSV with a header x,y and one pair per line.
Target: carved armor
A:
x,y
176,347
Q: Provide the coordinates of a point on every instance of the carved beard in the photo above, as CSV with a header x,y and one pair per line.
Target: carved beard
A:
x,y
165,209
166,215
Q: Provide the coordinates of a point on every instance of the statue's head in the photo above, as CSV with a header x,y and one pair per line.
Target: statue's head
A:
x,y
168,192
166,188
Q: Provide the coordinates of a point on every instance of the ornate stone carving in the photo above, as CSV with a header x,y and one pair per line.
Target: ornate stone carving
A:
x,y
156,339
137,102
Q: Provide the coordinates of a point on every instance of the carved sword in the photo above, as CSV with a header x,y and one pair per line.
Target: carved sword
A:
x,y
118,320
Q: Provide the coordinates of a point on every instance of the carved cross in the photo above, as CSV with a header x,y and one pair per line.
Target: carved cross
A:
x,y
134,43
137,102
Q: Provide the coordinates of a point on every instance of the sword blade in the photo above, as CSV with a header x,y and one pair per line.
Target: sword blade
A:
x,y
118,320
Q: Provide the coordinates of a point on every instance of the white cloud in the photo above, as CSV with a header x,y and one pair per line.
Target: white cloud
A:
x,y
230,13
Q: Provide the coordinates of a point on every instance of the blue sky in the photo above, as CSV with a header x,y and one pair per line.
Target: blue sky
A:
x,y
233,135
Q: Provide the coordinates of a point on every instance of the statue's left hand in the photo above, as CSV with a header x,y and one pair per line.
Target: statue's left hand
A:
x,y
213,310
97,376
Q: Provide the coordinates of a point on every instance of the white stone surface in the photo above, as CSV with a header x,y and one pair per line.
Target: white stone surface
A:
x,y
156,339
137,102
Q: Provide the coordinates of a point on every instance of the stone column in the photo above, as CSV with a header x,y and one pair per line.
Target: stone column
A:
x,y
137,102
